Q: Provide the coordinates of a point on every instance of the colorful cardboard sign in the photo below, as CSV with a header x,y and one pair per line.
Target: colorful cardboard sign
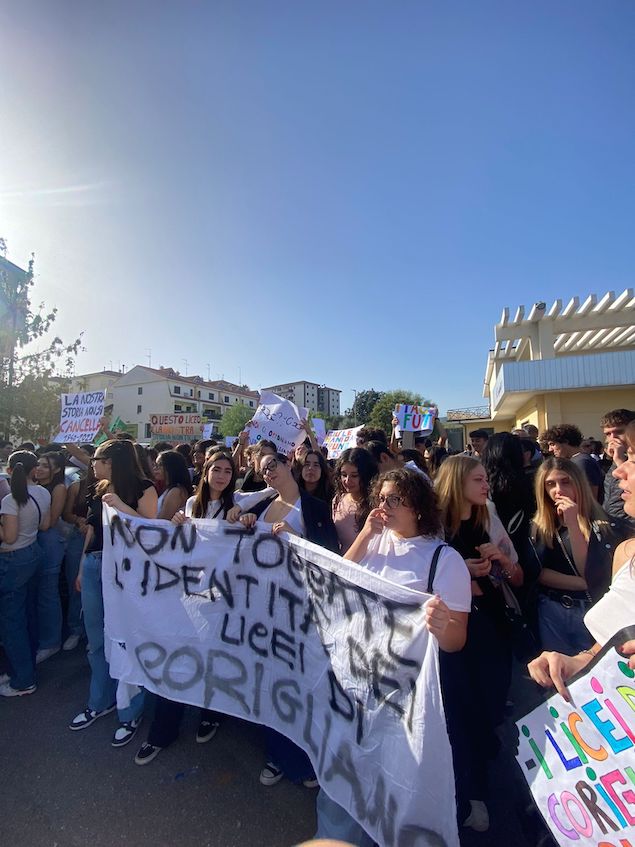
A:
x,y
338,440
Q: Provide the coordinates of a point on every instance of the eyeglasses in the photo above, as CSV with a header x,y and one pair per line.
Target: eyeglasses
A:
x,y
393,501
270,467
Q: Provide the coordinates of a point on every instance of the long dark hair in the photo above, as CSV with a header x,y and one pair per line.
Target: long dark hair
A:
x,y
324,489
56,463
510,489
176,473
203,492
22,464
126,475
367,469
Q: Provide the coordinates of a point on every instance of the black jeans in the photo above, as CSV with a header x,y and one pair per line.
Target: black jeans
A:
x,y
166,723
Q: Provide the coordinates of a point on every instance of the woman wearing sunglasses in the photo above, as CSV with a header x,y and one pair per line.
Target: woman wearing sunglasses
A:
x,y
399,541
120,484
294,511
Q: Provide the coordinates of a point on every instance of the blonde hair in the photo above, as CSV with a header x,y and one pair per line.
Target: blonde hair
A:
x,y
450,487
546,518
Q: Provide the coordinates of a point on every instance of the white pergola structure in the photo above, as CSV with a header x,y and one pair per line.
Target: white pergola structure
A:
x,y
569,343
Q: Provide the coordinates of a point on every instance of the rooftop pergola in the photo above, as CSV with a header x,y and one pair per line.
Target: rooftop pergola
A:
x,y
596,325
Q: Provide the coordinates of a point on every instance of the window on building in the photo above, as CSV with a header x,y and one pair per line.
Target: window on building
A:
x,y
138,410
191,392
177,389
211,395
148,431
178,407
226,398
140,390
251,403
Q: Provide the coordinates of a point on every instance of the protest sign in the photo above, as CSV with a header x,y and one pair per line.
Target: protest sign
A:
x,y
319,428
208,430
338,440
278,631
178,426
80,418
229,440
413,418
277,420
579,757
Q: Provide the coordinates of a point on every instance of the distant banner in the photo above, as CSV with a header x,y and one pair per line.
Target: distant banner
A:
x,y
277,420
80,418
280,632
338,440
207,431
413,418
579,758
180,426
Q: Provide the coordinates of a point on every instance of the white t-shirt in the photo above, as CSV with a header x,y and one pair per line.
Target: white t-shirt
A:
x,y
616,609
407,561
28,516
244,499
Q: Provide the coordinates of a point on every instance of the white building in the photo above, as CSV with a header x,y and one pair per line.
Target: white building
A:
x,y
311,395
143,392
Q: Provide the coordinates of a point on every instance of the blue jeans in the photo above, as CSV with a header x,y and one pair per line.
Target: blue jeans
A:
x,y
335,822
49,603
103,689
74,548
18,580
562,629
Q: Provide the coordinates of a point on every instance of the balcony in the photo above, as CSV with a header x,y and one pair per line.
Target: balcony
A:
x,y
470,413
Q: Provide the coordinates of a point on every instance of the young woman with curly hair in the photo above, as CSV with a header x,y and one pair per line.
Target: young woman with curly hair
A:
x,y
398,541
354,472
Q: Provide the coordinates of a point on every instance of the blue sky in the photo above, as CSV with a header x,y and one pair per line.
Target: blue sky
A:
x,y
345,192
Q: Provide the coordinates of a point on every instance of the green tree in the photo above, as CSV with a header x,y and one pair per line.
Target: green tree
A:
x,y
234,419
365,402
28,385
381,415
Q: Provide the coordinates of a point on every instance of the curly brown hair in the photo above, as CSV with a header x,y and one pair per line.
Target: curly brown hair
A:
x,y
417,493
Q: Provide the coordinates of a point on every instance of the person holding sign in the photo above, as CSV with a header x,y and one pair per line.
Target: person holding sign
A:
x,y
23,512
401,541
121,486
615,610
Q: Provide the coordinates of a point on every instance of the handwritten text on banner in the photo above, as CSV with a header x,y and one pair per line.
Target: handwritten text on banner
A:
x,y
281,632
277,420
80,417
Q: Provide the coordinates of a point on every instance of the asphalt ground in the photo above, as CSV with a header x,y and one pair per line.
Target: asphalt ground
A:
x,y
72,789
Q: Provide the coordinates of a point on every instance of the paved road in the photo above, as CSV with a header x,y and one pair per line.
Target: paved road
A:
x,y
64,789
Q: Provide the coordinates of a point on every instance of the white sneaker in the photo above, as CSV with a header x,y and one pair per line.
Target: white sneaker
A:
x,y
478,819
71,642
6,690
43,655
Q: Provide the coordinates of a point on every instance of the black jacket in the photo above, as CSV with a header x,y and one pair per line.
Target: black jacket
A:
x,y
316,515
613,504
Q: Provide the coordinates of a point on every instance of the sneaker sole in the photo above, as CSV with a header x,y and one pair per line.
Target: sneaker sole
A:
x,y
147,760
90,723
204,739
21,692
125,741
268,782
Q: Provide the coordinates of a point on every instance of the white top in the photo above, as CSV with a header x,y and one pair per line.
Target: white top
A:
x,y
616,609
244,499
293,517
407,561
28,516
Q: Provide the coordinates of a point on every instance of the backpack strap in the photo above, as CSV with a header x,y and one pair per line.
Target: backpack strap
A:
x,y
37,506
433,568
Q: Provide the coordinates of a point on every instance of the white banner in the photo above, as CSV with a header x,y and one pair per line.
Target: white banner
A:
x,y
579,757
277,420
281,632
338,440
414,418
319,428
80,417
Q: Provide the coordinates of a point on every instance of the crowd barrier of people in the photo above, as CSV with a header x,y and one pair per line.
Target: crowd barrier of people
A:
x,y
531,535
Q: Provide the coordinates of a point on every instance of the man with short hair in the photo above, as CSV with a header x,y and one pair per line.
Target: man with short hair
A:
x,y
478,439
564,442
613,425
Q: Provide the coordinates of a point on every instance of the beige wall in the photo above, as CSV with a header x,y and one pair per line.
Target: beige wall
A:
x,y
586,408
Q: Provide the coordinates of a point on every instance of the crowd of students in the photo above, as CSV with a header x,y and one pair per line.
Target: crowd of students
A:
x,y
518,538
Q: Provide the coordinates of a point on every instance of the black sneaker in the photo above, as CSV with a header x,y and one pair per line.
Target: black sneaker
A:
x,y
147,752
125,732
88,717
206,731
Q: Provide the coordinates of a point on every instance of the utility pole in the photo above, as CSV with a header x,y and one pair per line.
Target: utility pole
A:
x,y
149,356
185,361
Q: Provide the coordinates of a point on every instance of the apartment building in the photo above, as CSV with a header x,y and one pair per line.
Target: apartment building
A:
x,y
311,395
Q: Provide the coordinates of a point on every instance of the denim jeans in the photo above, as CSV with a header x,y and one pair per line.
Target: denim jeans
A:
x,y
562,629
18,580
49,603
74,548
103,689
335,822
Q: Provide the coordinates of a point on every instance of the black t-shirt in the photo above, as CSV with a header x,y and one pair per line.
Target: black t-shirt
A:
x,y
592,470
94,518
555,559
